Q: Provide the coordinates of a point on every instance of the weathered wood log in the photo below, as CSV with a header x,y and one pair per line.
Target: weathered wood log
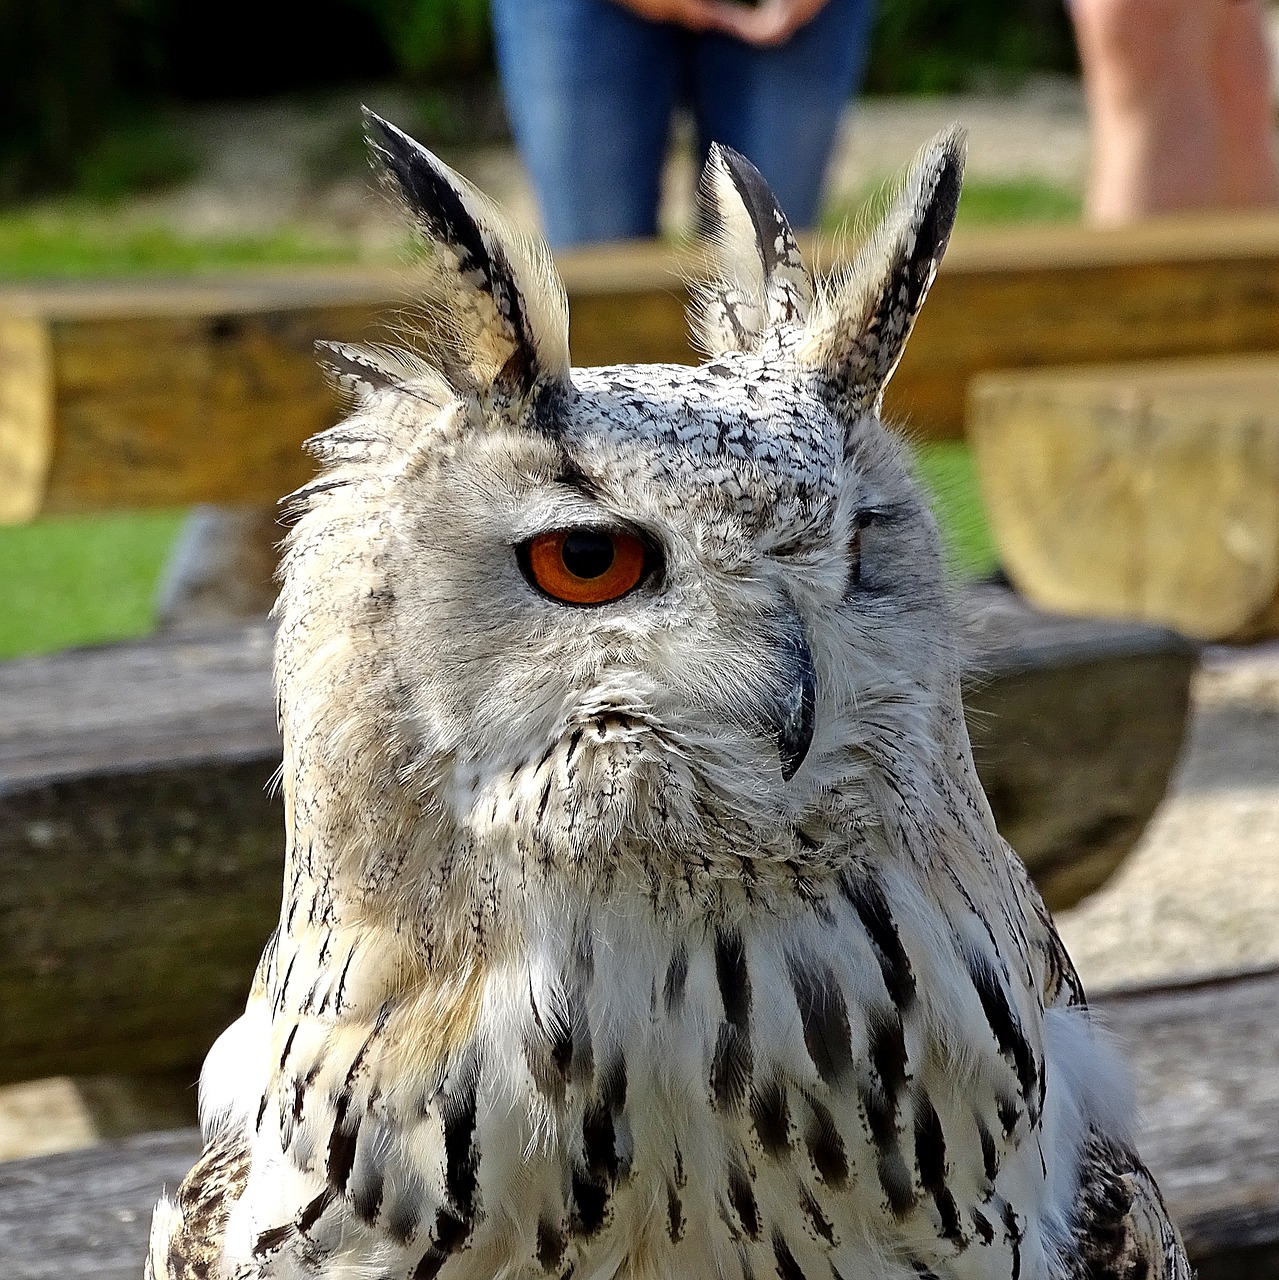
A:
x,y
1076,727
1206,1055
129,396
85,1215
142,851
142,394
1138,491
1208,1090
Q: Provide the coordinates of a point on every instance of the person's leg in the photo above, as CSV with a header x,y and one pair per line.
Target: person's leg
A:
x,y
1149,80
589,89
1247,111
781,106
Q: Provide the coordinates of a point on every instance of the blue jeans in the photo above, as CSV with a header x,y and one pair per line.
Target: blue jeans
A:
x,y
590,88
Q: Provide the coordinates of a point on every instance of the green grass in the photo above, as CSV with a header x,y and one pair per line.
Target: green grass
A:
x,y
948,473
80,581
983,203
1018,200
86,580
71,244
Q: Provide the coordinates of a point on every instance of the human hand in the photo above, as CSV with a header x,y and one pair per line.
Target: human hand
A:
x,y
696,15
771,23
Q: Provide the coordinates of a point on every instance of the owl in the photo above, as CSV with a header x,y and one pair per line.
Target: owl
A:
x,y
643,916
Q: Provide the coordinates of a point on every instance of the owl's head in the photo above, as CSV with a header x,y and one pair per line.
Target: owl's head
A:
x,y
584,614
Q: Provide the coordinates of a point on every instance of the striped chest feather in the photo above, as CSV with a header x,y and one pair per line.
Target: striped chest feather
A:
x,y
850,1090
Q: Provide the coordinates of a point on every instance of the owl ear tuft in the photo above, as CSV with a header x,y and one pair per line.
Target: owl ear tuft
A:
x,y
859,327
360,372
757,280
495,313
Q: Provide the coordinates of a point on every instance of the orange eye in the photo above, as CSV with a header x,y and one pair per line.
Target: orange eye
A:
x,y
584,566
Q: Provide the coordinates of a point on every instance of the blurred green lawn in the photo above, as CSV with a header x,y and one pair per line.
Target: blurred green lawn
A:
x,y
74,244
983,203
84,580
950,476
1017,200
76,581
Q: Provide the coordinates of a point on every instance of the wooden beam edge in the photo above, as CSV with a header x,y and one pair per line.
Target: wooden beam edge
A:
x,y
26,417
1189,984
652,266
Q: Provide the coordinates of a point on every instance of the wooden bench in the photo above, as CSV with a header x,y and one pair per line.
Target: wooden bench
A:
x,y
1206,1056
143,394
1146,490
143,852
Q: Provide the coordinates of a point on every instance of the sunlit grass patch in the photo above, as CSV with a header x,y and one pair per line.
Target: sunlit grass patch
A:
x,y
71,244
80,580
984,202
1018,200
950,476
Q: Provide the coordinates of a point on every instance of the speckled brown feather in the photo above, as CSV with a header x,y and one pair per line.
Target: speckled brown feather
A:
x,y
187,1239
1122,1229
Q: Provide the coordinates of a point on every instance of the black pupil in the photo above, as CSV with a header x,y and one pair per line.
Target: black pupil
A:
x,y
588,553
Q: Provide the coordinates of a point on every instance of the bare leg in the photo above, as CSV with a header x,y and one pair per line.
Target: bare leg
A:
x,y
1242,81
1150,80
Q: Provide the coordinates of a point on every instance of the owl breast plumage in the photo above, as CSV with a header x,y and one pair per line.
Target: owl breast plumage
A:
x,y
642,913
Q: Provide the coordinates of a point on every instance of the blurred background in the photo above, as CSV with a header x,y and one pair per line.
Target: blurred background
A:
x,y
149,138
159,137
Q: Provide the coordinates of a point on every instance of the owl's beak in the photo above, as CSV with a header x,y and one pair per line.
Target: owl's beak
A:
x,y
796,708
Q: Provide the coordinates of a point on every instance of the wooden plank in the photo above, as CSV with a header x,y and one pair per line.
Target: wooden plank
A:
x,y
1206,1058
203,391
86,1215
132,911
142,848
1034,296
142,851
1145,490
1076,727
26,433
130,707
167,411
